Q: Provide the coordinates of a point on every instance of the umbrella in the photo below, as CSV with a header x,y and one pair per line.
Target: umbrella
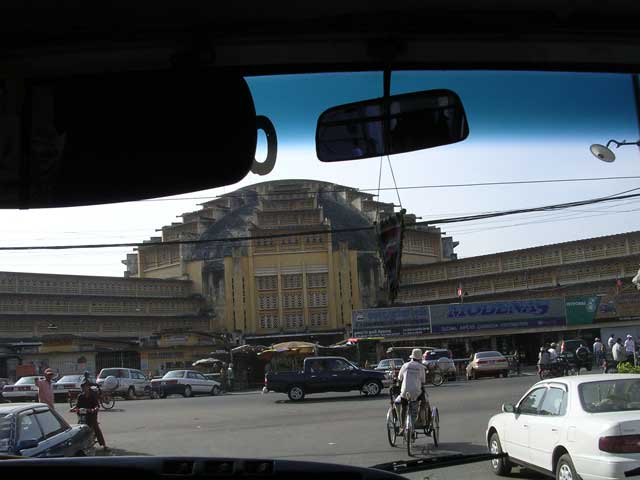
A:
x,y
206,361
266,354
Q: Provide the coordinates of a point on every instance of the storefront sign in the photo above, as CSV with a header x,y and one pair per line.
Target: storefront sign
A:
x,y
581,310
625,306
471,317
391,322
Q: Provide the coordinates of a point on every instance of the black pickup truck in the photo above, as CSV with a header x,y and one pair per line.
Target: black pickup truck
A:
x,y
325,374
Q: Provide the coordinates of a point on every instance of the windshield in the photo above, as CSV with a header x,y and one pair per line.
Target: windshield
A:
x,y
5,431
512,239
71,379
610,396
488,354
27,381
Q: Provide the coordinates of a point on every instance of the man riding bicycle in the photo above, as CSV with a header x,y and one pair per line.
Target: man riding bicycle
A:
x,y
413,378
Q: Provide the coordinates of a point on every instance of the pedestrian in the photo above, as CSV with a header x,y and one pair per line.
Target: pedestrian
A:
x,y
618,351
630,349
45,388
223,377
89,400
598,351
611,342
230,377
553,353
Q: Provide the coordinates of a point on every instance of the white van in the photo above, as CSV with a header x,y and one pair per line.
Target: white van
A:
x,y
131,382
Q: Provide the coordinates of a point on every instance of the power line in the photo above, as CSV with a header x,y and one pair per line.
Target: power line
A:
x,y
328,231
410,187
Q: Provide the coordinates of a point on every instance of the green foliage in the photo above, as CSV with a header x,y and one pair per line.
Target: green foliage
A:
x,y
626,367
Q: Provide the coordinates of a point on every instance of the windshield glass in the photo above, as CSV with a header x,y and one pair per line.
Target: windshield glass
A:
x,y
27,381
5,431
488,354
491,248
71,379
610,396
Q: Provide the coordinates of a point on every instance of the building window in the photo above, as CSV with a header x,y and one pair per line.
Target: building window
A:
x,y
316,280
267,302
292,300
269,320
267,282
318,299
293,319
292,281
319,319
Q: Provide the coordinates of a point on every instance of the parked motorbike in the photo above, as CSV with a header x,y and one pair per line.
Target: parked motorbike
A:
x,y
559,368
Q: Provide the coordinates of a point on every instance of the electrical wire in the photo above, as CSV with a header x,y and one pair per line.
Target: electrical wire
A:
x,y
559,206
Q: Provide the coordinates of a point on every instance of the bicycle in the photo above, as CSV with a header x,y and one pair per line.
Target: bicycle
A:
x,y
416,421
106,399
434,376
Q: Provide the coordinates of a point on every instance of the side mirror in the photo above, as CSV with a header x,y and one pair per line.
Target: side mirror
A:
x,y
509,408
26,445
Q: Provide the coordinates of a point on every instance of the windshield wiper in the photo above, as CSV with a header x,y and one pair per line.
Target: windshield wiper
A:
x,y
407,466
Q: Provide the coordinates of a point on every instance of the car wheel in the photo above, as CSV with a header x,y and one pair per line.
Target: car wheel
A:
x,y
296,393
131,393
565,469
163,395
215,390
372,388
505,374
499,466
148,392
187,392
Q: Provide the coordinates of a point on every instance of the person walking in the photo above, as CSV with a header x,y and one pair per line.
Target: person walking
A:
x,y
230,376
223,377
598,351
45,389
611,342
89,399
630,349
618,351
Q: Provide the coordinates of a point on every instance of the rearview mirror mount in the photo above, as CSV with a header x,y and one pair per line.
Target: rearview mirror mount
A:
x,y
391,125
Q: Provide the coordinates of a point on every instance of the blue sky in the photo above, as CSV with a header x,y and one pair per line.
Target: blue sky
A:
x,y
522,126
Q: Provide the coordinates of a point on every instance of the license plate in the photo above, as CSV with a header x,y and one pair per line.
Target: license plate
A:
x,y
163,383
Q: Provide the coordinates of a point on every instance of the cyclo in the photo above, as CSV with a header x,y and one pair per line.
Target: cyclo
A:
x,y
419,420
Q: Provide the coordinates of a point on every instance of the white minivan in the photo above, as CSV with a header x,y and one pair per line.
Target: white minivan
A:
x,y
131,382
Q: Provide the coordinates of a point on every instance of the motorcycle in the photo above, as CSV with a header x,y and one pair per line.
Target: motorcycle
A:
x,y
559,368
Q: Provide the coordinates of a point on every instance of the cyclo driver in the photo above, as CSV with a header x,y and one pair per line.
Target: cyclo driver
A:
x,y
413,378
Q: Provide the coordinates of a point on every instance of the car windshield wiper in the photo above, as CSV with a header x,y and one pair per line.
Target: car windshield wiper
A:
x,y
407,466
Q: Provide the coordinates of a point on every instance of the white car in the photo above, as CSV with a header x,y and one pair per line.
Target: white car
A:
x,y
131,382
24,389
69,384
443,358
186,383
583,427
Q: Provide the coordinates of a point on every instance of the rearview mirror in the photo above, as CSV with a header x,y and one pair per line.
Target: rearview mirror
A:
x,y
397,124
26,445
508,408
118,137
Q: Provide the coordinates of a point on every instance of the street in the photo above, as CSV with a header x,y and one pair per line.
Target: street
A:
x,y
340,428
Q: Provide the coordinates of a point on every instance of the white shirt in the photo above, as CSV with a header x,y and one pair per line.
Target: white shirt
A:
x,y
629,345
413,376
611,342
618,352
553,354
597,347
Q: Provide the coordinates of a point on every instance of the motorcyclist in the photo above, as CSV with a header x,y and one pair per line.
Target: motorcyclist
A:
x,y
89,401
553,353
413,378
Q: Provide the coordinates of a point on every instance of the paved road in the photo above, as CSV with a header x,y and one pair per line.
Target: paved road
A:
x,y
342,428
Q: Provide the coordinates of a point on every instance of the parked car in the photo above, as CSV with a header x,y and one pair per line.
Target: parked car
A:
x,y
24,390
575,355
3,382
131,382
443,358
68,384
34,430
390,367
185,382
487,364
325,374
575,427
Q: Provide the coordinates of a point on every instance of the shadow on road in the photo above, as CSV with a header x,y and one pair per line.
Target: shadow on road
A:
x,y
427,450
359,398
118,452
102,412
